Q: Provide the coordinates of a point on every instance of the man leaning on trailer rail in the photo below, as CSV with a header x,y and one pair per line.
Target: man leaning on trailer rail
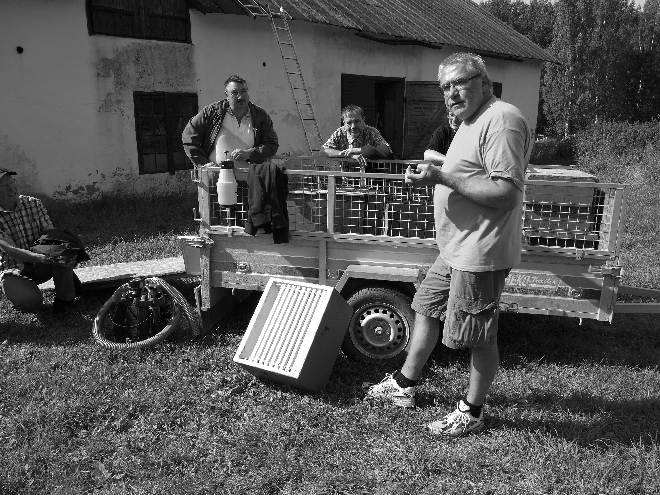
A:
x,y
355,138
477,201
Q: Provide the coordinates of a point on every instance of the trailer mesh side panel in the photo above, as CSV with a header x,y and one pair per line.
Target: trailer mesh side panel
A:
x,y
556,217
570,217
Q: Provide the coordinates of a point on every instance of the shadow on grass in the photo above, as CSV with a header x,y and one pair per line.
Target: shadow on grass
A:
x,y
345,388
524,339
45,328
597,419
630,340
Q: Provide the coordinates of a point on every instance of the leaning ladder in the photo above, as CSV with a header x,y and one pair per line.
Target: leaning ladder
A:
x,y
279,21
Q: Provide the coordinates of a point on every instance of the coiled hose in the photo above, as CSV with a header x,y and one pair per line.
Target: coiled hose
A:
x,y
180,307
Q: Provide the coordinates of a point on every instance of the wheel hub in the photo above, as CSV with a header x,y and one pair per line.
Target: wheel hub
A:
x,y
380,327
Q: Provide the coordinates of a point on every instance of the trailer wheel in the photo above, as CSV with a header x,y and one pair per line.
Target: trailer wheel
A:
x,y
381,325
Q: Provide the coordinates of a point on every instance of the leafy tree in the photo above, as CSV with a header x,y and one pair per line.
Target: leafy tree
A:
x,y
534,19
539,22
646,77
510,11
608,53
558,87
592,41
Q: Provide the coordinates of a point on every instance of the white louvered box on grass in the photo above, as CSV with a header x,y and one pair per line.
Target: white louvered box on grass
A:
x,y
295,334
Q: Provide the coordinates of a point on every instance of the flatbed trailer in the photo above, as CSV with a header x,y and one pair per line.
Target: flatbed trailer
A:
x,y
356,226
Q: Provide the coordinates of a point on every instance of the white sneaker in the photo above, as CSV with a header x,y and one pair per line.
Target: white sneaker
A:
x,y
457,423
389,389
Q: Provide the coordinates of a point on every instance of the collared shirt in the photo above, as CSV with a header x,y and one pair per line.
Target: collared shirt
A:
x,y
341,140
233,135
23,225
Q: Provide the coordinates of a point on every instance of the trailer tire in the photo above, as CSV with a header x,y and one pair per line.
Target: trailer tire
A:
x,y
381,325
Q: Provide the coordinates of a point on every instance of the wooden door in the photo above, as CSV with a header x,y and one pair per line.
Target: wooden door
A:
x,y
425,110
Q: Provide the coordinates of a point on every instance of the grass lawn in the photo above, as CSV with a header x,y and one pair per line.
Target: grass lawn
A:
x,y
574,409
115,231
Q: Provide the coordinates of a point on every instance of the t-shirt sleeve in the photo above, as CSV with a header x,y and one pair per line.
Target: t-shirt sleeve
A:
x,y
506,155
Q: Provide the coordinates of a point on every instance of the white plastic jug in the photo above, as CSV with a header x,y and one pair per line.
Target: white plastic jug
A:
x,y
226,185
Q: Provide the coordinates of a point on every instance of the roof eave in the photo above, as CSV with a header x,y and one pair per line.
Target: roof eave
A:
x,y
381,37
394,40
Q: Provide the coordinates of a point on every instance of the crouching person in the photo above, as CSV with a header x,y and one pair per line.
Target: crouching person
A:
x,y
32,251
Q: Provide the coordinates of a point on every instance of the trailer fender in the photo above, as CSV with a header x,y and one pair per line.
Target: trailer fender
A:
x,y
379,272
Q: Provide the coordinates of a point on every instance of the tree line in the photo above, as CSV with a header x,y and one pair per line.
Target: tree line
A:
x,y
608,59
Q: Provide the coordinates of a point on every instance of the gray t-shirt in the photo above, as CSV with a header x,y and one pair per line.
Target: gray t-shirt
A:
x,y
496,142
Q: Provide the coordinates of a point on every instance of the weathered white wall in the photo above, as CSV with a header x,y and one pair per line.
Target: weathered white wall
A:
x,y
68,122
238,44
520,84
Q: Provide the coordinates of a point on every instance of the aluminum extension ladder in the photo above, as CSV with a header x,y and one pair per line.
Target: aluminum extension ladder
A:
x,y
279,21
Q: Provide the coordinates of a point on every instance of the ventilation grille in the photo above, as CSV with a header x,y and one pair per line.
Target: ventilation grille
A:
x,y
278,346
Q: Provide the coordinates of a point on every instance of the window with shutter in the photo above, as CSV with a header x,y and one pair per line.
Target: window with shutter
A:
x,y
159,121
165,20
425,111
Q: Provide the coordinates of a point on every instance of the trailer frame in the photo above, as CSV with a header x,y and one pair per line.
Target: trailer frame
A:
x,y
357,225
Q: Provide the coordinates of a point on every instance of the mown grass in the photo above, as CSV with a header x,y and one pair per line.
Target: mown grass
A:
x,y
574,410
116,230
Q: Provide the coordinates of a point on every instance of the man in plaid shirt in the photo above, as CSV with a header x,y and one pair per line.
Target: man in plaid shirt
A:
x,y
22,220
355,138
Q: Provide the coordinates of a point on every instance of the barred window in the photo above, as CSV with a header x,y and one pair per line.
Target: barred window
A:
x,y
167,20
159,121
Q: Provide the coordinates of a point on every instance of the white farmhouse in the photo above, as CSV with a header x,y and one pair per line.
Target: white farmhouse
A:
x,y
94,93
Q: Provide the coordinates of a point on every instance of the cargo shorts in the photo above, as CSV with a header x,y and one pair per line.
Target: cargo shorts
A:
x,y
467,302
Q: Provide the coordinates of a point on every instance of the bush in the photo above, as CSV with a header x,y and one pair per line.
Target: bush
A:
x,y
629,153
621,151
551,151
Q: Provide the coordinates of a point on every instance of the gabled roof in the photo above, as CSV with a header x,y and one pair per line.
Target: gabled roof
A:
x,y
461,23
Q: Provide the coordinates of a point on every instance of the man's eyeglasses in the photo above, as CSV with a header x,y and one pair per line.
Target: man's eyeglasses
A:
x,y
237,92
459,84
